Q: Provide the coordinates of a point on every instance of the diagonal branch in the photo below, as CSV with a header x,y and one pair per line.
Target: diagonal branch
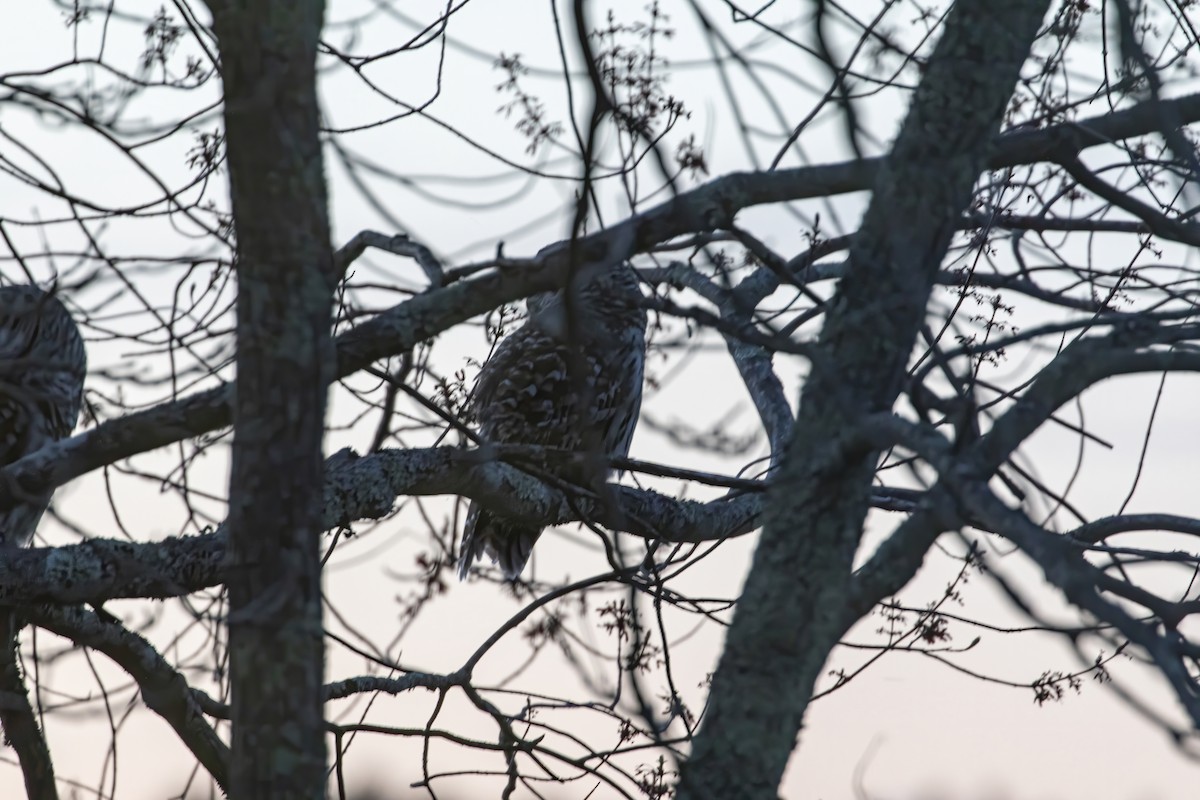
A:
x,y
1158,223
21,729
163,689
1065,567
1083,364
402,327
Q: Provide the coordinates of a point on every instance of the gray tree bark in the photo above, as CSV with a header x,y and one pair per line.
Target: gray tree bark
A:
x,y
792,611
285,361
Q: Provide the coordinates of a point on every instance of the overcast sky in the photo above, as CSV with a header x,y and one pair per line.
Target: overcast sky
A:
x,y
909,727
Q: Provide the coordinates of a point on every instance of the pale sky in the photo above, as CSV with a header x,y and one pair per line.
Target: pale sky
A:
x,y
907,728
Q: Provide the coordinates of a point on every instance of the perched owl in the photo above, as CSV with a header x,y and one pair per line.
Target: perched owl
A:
x,y
42,365
529,393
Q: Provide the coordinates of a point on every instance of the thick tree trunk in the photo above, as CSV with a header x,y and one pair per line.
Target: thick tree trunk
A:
x,y
285,361
792,611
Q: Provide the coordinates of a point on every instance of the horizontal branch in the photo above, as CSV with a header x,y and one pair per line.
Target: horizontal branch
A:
x,y
366,487
358,488
1100,529
401,328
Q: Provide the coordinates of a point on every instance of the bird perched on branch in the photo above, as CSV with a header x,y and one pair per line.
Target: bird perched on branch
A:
x,y
42,366
570,378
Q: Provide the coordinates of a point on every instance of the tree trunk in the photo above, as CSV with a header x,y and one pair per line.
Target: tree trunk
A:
x,y
792,612
284,363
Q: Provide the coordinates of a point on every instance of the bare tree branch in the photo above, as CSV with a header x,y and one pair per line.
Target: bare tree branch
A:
x,y
399,329
784,628
164,690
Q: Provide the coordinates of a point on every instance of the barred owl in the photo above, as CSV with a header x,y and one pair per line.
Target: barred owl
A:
x,y
42,365
528,393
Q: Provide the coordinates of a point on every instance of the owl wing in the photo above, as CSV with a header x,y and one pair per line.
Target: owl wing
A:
x,y
42,367
526,394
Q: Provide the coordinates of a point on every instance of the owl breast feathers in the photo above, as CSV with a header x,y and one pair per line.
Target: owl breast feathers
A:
x,y
42,367
570,378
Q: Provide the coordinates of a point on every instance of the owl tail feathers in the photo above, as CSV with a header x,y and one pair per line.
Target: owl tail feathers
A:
x,y
508,544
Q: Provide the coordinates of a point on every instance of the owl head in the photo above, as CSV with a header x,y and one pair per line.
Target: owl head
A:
x,y
41,350
607,301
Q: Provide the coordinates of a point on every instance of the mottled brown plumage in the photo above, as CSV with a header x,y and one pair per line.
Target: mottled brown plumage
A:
x,y
529,393
42,366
